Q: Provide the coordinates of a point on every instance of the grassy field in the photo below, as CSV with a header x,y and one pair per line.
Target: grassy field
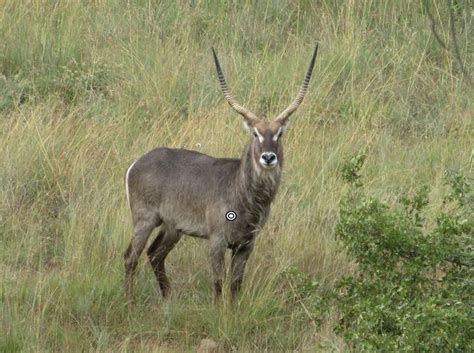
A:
x,y
87,87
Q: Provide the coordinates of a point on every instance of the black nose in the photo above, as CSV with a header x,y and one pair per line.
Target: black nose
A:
x,y
269,157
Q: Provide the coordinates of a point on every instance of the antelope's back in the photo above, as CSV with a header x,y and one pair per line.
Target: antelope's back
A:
x,y
181,184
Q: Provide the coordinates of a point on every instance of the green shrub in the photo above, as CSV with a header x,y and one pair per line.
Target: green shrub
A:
x,y
414,284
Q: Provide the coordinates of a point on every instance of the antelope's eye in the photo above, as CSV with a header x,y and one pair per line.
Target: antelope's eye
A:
x,y
280,133
255,134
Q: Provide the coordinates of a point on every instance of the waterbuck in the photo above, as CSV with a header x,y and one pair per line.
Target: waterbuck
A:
x,y
224,200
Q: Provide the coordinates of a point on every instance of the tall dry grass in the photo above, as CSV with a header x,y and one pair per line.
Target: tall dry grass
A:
x,y
87,87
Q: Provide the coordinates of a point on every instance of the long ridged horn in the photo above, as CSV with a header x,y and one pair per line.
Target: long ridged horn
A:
x,y
247,114
299,98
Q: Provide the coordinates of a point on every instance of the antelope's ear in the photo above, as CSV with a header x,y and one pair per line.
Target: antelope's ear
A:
x,y
246,125
284,123
249,124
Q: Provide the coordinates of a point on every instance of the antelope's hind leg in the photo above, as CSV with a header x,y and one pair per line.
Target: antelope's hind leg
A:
x,y
142,230
157,252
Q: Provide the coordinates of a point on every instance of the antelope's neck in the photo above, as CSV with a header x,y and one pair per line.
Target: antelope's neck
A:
x,y
256,188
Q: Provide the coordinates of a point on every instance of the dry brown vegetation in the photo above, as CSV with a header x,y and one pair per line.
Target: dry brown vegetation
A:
x,y
87,87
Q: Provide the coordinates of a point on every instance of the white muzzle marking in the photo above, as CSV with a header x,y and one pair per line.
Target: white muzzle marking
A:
x,y
268,160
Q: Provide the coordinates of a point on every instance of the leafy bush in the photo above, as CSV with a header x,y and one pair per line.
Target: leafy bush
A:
x,y
413,290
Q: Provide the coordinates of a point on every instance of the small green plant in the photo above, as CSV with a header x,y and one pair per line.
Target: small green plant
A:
x,y
351,169
412,289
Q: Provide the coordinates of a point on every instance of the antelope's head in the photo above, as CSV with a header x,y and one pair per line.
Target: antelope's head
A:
x,y
266,146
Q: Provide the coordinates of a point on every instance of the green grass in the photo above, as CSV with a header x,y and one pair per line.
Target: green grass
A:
x,y
87,88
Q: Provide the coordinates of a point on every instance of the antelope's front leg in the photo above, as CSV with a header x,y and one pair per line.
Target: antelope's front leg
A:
x,y
240,255
217,255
